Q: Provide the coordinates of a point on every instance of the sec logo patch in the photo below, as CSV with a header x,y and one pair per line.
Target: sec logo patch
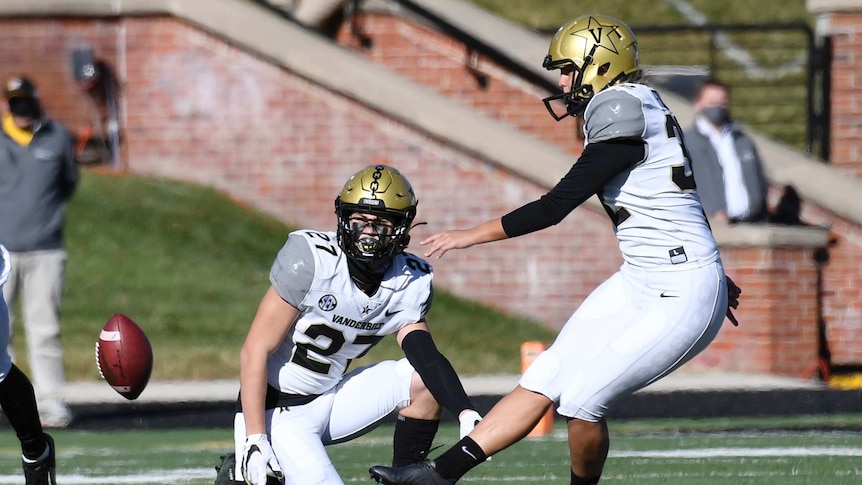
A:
x,y
327,303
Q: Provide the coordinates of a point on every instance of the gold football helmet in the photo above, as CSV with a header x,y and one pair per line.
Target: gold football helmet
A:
x,y
602,50
381,191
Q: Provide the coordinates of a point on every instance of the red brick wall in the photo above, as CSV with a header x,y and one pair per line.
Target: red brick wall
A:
x,y
284,144
842,288
429,58
199,109
843,282
41,49
846,127
778,320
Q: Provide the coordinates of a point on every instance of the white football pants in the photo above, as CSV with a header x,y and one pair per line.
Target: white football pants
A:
x,y
634,329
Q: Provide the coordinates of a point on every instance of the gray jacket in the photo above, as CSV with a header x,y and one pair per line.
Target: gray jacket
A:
x,y
709,176
35,183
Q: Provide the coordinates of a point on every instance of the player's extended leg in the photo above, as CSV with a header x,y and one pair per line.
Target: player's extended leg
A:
x,y
508,421
37,449
19,405
589,443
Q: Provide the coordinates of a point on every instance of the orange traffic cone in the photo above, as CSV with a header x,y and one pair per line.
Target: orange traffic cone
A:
x,y
529,351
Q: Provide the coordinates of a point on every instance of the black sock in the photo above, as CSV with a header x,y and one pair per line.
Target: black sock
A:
x,y
459,459
19,405
576,480
412,439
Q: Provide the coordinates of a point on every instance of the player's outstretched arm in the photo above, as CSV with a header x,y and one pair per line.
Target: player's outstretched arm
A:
x,y
271,323
436,372
442,242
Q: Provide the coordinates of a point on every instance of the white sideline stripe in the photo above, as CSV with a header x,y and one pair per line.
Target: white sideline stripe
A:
x,y
691,453
184,475
178,476
744,452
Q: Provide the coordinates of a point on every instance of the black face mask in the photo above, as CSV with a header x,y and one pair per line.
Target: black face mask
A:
x,y
717,115
25,107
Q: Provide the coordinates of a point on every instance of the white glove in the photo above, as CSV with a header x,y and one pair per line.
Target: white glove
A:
x,y
468,420
258,461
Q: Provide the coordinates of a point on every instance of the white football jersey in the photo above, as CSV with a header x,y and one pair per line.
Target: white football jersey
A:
x,y
657,214
338,322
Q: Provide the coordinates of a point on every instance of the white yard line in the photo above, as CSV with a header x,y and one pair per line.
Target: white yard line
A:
x,y
186,475
177,476
737,452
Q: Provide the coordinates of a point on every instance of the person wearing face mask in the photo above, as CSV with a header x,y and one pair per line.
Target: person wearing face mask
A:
x,y
38,174
727,168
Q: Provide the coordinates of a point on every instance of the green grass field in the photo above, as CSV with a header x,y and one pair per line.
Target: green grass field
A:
x,y
786,452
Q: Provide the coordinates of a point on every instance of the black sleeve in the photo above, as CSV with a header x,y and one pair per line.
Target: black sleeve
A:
x,y
598,163
436,371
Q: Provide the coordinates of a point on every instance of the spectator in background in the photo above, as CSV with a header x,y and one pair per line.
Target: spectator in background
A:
x,y
38,174
19,403
727,168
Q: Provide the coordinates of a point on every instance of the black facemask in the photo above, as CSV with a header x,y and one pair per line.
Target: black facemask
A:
x,y
717,115
25,107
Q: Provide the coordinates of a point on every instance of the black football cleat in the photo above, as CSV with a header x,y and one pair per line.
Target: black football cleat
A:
x,y
41,471
422,473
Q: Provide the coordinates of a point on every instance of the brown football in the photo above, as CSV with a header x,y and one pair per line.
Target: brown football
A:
x,y
124,356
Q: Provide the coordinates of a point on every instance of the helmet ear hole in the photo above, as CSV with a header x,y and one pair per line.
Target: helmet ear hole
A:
x,y
604,68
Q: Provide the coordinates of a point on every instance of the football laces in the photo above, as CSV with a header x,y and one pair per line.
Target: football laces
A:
x,y
98,362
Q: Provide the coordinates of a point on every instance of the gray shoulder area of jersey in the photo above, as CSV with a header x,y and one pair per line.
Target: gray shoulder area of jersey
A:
x,y
293,270
614,113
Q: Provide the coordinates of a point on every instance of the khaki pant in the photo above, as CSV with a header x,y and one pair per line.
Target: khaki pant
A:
x,y
37,279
